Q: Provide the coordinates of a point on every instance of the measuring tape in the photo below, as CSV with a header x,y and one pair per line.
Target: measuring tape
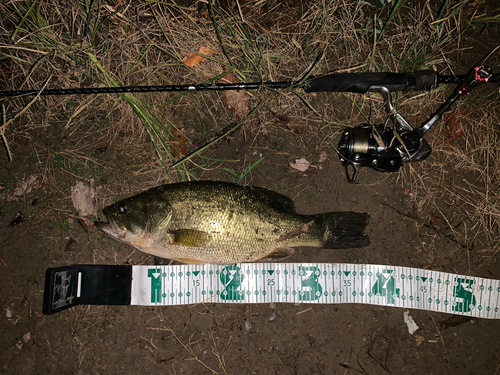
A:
x,y
320,283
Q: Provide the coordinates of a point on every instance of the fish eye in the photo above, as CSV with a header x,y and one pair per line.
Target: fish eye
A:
x,y
122,208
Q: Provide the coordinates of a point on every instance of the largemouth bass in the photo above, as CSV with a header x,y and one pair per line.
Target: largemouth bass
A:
x,y
224,223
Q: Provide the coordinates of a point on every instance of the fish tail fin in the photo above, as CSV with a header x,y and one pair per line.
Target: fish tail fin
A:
x,y
343,230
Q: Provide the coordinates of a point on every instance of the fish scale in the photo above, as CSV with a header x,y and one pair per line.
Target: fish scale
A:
x,y
224,223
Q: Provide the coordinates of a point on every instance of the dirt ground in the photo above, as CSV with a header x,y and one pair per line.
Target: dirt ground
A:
x,y
325,339
224,338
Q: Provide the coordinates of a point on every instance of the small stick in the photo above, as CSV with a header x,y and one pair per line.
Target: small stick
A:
x,y
425,225
2,134
4,126
195,357
303,311
233,129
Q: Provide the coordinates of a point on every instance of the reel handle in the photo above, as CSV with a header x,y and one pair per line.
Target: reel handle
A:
x,y
384,147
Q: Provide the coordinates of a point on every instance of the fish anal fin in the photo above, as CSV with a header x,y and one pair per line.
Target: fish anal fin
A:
x,y
191,237
279,253
189,261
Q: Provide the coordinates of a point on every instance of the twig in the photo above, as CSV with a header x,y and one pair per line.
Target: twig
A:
x,y
195,357
4,126
426,225
189,156
439,332
303,311
2,134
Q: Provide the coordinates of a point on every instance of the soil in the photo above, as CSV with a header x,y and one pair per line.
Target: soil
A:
x,y
221,338
325,339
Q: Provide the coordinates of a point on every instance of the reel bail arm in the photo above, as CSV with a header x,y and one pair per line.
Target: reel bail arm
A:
x,y
384,147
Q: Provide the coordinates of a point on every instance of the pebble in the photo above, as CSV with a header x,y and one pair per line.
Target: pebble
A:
x,y
248,326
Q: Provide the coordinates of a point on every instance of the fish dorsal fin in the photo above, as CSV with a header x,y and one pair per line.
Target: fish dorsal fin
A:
x,y
279,253
191,237
275,200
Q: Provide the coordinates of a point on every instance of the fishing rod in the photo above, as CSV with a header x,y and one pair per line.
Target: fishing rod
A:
x,y
379,146
340,82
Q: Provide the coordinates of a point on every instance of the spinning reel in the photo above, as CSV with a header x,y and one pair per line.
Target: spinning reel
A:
x,y
385,147
382,147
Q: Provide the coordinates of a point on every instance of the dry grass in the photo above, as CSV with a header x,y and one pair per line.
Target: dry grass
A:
x,y
143,43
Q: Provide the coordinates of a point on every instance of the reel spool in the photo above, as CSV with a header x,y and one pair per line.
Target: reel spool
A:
x,y
385,147
371,146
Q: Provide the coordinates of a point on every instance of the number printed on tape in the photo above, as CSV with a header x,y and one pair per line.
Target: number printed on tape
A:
x,y
404,287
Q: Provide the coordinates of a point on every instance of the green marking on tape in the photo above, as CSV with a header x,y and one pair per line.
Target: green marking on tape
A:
x,y
316,283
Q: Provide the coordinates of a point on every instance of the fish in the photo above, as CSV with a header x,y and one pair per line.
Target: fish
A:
x,y
216,222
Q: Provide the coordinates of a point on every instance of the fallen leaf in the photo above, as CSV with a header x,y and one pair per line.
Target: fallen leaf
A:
x,y
194,59
21,343
287,122
455,320
83,199
436,221
300,164
24,187
178,143
71,245
236,100
323,156
419,340
12,317
298,129
39,185
284,118
454,122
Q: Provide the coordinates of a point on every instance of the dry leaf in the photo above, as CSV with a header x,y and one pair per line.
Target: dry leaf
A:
x,y
300,164
419,340
83,199
454,122
178,143
12,317
236,100
455,320
436,222
298,129
194,59
323,156
71,245
24,187
22,342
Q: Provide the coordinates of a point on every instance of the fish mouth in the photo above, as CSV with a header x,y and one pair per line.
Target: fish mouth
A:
x,y
112,229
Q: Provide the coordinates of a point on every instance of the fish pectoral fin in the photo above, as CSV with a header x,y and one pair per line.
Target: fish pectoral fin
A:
x,y
279,253
191,237
189,261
